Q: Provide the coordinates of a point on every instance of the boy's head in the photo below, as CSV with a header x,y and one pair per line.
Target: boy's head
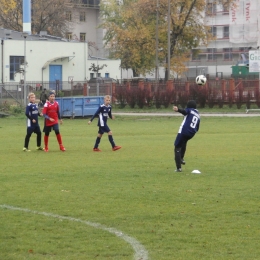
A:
x,y
191,104
51,96
107,100
31,97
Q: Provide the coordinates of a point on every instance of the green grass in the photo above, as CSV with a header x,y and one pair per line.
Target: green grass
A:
x,y
213,215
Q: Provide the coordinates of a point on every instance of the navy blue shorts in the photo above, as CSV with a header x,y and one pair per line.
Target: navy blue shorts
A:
x,y
103,129
33,129
181,140
47,129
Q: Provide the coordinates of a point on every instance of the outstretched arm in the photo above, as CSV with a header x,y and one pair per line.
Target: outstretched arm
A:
x,y
180,110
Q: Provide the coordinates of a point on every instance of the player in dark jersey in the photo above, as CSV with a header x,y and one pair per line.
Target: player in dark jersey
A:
x,y
103,112
32,114
51,112
189,127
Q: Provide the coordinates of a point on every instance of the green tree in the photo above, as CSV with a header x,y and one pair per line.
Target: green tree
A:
x,y
131,31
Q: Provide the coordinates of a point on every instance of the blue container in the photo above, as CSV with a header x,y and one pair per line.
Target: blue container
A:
x,y
79,106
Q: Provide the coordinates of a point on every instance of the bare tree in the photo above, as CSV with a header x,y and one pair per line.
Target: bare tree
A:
x,y
53,16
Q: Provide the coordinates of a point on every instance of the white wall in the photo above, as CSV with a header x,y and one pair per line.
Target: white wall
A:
x,y
39,52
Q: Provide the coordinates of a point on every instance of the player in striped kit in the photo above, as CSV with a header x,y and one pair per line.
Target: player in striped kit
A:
x,y
189,127
32,114
103,112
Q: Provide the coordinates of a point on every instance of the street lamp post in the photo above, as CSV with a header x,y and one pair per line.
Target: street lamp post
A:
x,y
156,47
169,42
24,70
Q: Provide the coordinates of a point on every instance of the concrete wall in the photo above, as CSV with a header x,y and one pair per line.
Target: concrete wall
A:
x,y
38,53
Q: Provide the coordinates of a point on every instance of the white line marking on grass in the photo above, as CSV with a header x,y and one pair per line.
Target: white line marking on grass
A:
x,y
140,251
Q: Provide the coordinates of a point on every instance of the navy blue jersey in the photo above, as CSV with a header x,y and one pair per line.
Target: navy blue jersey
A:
x,y
32,112
103,113
191,122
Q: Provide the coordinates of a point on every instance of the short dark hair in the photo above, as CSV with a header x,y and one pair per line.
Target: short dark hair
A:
x,y
192,104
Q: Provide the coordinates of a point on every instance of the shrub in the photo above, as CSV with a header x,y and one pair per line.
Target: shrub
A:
x,y
120,96
167,97
157,99
183,99
141,97
131,97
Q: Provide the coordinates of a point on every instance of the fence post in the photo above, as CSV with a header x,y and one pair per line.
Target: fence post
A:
x,y
113,92
223,89
85,91
231,89
141,84
169,85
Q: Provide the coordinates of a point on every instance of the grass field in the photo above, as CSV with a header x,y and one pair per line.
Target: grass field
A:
x,y
130,204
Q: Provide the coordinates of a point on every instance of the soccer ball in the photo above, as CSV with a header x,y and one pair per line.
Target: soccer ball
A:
x,y
201,80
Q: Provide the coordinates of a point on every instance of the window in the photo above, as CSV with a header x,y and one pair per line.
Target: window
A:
x,y
227,53
91,75
106,75
225,8
82,37
213,31
82,17
69,36
243,49
68,16
211,54
211,8
226,32
15,64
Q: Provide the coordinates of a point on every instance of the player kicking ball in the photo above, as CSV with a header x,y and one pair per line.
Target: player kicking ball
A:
x,y
189,127
103,112
51,113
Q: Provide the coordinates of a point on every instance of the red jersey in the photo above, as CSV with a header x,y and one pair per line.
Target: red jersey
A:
x,y
52,110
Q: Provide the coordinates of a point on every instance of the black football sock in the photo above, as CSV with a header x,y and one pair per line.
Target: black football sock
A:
x,y
111,140
39,139
26,141
177,151
97,142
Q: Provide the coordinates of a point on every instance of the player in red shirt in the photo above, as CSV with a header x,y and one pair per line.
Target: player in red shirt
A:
x,y
51,112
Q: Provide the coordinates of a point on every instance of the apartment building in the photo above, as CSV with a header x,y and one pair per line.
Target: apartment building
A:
x,y
236,30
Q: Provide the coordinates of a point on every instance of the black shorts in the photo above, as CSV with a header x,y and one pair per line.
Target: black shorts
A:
x,y
33,129
103,129
47,129
181,140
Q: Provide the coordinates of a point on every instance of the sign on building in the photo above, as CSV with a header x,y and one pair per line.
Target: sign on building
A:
x,y
254,61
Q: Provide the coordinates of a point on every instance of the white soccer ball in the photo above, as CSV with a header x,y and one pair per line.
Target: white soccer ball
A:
x,y
201,80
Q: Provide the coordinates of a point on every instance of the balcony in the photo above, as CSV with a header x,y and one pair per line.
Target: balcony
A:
x,y
94,4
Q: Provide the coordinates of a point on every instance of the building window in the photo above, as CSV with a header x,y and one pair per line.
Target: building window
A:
x,y
243,49
211,54
225,8
15,65
226,32
69,36
213,31
82,37
227,53
211,8
106,75
91,75
68,16
82,17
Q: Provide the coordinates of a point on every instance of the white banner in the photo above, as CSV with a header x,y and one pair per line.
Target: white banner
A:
x,y
243,20
254,61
